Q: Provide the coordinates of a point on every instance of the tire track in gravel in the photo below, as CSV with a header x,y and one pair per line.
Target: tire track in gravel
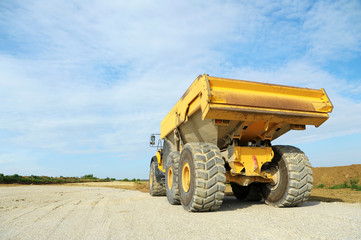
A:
x,y
47,211
105,213
95,217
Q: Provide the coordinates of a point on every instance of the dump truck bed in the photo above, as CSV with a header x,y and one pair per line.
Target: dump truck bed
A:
x,y
213,109
221,131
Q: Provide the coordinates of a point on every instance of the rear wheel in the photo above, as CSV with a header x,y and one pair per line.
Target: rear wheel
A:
x,y
201,177
171,178
156,187
292,178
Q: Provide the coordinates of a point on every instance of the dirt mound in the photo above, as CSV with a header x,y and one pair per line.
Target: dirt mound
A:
x,y
142,186
330,176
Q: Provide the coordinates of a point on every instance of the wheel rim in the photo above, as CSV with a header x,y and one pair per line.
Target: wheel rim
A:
x,y
186,177
275,173
170,178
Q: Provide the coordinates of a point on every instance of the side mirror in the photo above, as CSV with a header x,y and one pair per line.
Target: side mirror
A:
x,y
152,140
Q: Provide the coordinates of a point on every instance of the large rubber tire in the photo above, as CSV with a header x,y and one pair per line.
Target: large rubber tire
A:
x,y
293,175
240,192
202,179
156,186
171,178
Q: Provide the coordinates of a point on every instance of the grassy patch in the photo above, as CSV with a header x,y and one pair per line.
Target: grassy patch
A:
x,y
320,185
7,179
353,184
128,180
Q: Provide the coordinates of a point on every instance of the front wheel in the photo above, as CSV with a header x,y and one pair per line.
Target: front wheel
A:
x,y
201,177
292,178
156,187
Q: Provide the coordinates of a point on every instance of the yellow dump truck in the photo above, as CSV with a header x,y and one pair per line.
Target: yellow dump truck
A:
x,y
221,131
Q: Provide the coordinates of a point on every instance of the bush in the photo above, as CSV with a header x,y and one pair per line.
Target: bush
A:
x,y
354,181
88,176
338,186
353,185
33,179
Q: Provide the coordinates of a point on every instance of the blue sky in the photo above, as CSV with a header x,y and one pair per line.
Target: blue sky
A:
x,y
84,83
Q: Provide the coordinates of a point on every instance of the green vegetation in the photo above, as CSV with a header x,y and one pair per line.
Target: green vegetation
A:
x,y
320,185
33,179
133,180
353,184
48,180
89,176
339,186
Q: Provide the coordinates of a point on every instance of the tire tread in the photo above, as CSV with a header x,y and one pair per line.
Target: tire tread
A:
x,y
158,188
210,180
300,178
173,194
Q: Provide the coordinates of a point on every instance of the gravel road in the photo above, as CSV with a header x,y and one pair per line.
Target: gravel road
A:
x,y
63,212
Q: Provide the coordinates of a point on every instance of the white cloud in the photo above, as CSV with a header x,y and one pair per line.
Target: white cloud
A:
x,y
89,77
334,29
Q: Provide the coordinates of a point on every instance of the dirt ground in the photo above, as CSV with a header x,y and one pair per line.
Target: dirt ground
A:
x,y
317,194
107,210
82,212
328,176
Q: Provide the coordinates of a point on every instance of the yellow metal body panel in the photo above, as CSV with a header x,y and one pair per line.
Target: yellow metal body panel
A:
x,y
195,97
266,107
160,160
249,160
261,95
